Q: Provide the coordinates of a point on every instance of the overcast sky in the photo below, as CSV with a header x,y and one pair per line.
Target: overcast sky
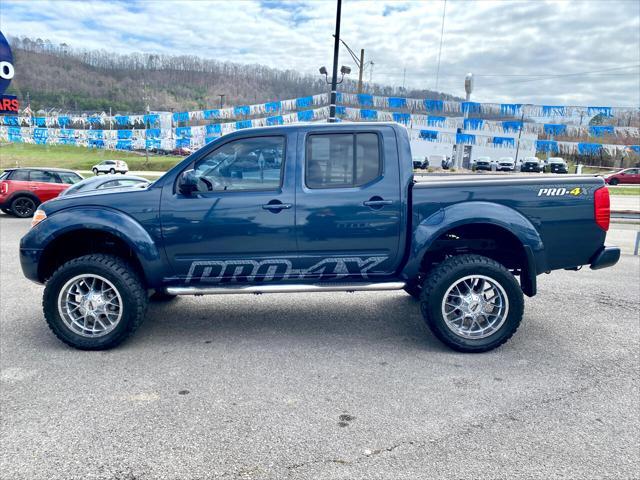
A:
x,y
513,40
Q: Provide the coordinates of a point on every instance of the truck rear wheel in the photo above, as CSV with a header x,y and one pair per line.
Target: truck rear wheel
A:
x,y
472,303
94,302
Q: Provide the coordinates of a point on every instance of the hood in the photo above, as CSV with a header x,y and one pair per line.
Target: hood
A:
x,y
111,197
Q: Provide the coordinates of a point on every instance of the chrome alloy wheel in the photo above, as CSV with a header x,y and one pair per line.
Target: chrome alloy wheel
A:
x,y
90,305
475,307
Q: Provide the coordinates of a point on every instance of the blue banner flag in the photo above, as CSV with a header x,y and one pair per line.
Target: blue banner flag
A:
x,y
589,148
433,105
275,120
511,126
430,135
304,102
554,129
397,102
403,118
465,138
368,114
507,141
473,123
550,146
305,116
511,109
365,100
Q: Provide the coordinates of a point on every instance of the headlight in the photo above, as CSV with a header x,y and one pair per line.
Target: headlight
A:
x,y
38,216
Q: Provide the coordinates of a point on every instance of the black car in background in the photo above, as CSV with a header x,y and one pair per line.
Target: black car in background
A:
x,y
556,165
532,164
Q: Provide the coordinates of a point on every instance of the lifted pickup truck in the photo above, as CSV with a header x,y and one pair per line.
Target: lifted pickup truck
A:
x,y
313,208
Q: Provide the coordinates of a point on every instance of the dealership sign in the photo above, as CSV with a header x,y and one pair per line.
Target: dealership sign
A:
x,y
6,64
8,103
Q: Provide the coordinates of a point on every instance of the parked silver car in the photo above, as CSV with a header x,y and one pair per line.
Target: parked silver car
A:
x,y
104,183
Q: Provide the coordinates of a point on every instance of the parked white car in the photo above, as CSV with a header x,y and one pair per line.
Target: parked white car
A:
x,y
507,164
110,166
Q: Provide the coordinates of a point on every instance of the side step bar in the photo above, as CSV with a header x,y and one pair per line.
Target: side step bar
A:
x,y
285,288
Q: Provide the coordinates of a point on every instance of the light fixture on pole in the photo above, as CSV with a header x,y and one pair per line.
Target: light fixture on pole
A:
x,y
344,70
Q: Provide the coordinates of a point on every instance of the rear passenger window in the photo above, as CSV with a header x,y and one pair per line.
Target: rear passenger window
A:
x,y
342,160
20,175
42,176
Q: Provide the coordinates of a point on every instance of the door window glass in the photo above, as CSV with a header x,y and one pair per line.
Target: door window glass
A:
x,y
69,178
245,164
342,160
42,176
20,175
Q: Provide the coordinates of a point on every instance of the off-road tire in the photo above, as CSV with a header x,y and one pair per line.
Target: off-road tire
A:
x,y
121,275
444,275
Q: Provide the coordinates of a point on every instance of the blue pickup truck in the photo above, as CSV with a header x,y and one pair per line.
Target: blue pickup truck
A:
x,y
314,208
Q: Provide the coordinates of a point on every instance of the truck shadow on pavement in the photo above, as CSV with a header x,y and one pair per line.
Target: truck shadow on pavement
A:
x,y
347,319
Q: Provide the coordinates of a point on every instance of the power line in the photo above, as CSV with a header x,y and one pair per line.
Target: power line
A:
x,y
549,75
444,11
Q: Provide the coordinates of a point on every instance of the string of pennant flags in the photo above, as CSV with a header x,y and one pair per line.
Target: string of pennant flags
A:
x,y
441,130
448,107
441,118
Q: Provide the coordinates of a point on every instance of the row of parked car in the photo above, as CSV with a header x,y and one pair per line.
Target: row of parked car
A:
x,y
527,164
23,189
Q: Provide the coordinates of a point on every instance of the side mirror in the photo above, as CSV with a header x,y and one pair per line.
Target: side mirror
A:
x,y
188,182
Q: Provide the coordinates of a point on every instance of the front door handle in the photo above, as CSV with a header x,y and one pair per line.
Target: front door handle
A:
x,y
276,206
377,202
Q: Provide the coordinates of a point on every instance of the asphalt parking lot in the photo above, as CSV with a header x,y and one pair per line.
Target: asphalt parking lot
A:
x,y
331,385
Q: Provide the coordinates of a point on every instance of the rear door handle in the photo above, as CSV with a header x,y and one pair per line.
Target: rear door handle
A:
x,y
276,207
377,203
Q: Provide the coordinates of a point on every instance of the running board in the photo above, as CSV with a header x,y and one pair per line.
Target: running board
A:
x,y
285,288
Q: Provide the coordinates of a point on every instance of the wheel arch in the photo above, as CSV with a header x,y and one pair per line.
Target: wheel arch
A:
x,y
23,193
76,232
508,236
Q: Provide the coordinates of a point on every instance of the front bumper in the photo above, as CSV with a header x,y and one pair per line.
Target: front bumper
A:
x,y
606,257
29,261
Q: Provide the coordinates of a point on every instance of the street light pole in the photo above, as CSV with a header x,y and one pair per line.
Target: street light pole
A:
x,y
336,48
361,68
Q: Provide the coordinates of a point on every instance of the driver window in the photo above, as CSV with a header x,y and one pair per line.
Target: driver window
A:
x,y
245,164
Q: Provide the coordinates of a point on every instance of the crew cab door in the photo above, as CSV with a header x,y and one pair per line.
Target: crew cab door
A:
x,y
349,212
241,213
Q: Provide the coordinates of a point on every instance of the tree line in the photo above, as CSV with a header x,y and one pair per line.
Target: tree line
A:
x,y
61,77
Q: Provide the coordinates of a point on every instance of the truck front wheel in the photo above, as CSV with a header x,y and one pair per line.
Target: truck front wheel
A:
x,y
471,303
94,302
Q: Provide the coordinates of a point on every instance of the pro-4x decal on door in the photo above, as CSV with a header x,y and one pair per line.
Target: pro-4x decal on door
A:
x,y
214,271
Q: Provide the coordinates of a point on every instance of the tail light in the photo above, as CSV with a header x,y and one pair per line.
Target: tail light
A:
x,y
602,208
4,188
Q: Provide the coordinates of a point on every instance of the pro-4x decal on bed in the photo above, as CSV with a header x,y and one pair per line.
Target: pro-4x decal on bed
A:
x,y
559,192
214,271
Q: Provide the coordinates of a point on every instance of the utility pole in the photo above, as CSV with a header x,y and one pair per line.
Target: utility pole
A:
x,y
336,49
520,134
360,70
221,95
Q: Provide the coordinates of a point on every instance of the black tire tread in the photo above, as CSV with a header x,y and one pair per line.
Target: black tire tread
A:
x,y
435,276
134,286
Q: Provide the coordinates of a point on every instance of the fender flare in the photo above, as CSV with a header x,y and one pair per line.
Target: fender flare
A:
x,y
468,213
101,219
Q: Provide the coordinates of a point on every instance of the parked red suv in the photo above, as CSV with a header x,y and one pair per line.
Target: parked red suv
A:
x,y
23,189
628,175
